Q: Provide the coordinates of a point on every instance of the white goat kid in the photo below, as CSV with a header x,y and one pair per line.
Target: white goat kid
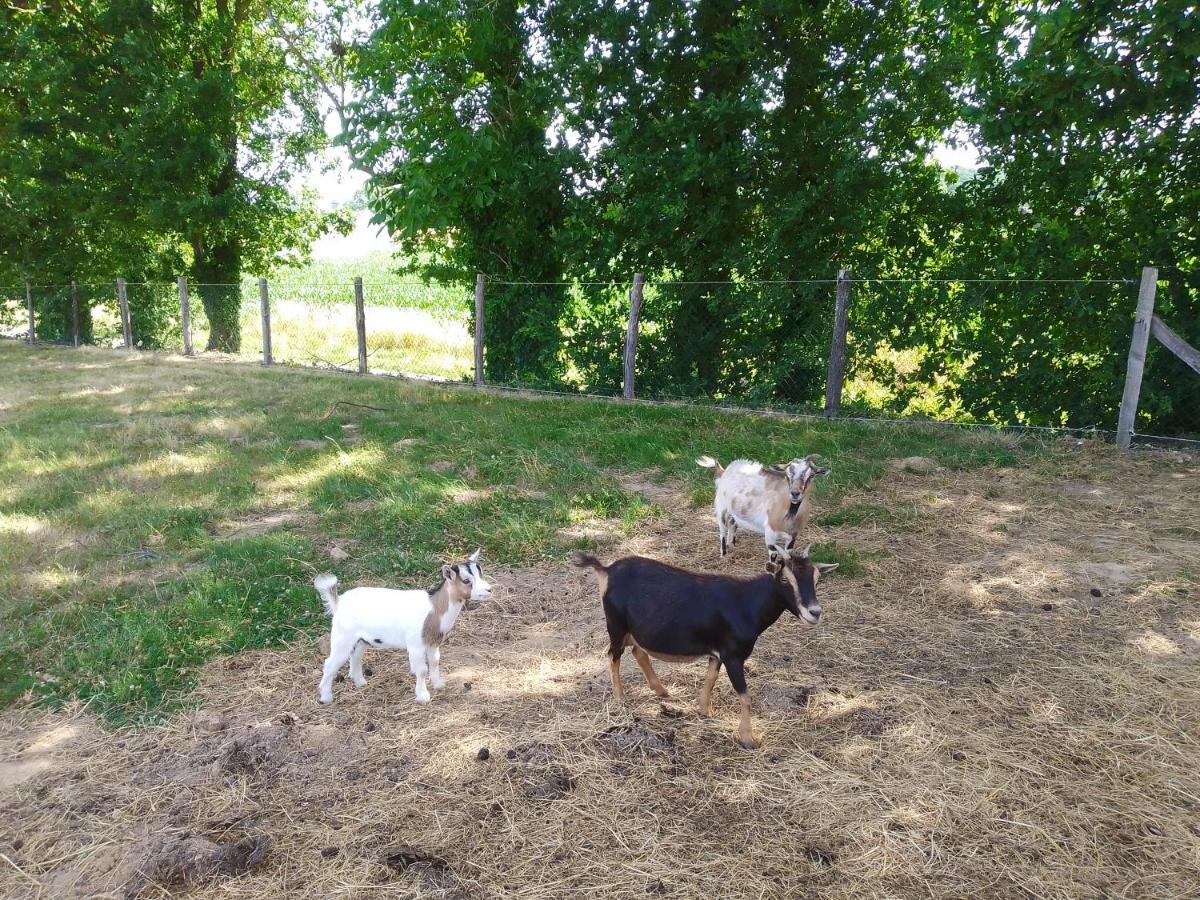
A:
x,y
773,501
383,618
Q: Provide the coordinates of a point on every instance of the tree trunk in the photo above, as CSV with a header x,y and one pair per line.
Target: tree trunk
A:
x,y
217,268
218,272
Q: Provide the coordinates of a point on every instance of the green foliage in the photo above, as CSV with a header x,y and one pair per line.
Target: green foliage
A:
x,y
1087,120
138,139
452,122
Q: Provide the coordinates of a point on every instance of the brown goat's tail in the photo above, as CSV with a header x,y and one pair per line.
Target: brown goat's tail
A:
x,y
707,462
587,561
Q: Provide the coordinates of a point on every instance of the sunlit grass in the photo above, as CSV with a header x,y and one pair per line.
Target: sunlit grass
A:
x,y
141,498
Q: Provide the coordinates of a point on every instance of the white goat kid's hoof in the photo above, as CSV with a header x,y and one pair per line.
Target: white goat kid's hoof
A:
x,y
438,683
422,698
326,700
359,682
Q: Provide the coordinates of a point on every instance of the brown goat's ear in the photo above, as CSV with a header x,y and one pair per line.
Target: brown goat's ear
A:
x,y
448,573
826,567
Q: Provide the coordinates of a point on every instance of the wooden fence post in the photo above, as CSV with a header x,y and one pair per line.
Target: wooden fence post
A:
x,y
123,302
185,316
1137,356
264,301
29,304
837,349
480,280
360,325
631,333
75,338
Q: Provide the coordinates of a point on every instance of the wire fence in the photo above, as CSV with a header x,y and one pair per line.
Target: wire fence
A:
x,y
998,352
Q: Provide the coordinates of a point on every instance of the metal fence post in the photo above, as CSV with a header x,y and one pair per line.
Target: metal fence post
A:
x,y
480,280
837,349
29,303
185,316
75,338
631,333
1137,356
360,325
123,302
264,300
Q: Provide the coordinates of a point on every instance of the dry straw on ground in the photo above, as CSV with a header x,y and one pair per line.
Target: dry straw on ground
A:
x,y
970,720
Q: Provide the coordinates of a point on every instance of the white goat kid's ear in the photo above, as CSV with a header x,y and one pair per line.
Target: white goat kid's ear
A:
x,y
448,573
474,557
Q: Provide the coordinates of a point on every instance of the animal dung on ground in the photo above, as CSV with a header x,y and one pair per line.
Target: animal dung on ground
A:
x,y
483,754
400,859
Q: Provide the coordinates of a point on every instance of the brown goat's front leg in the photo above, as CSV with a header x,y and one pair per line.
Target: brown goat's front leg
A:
x,y
643,660
737,677
710,679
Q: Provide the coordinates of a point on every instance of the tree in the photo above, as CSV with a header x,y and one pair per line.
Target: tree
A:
x,y
452,121
1087,116
140,137
742,142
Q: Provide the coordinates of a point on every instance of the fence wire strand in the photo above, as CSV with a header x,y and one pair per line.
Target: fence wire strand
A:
x,y
955,352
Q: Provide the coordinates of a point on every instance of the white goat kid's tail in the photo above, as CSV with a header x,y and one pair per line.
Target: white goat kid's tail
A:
x,y
707,462
326,586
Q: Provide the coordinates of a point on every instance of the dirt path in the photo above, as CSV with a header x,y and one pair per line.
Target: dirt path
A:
x,y
1005,701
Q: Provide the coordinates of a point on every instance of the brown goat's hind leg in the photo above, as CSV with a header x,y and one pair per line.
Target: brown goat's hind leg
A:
x,y
710,679
643,660
614,669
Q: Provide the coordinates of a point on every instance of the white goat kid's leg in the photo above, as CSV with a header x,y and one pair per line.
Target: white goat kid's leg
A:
x,y
434,654
416,662
356,669
340,648
721,530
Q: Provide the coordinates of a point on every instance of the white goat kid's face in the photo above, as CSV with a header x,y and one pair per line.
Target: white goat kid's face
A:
x,y
467,582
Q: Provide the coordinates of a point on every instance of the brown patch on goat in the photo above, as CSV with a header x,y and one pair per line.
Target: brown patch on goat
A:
x,y
710,679
643,661
614,670
664,657
745,733
781,516
440,600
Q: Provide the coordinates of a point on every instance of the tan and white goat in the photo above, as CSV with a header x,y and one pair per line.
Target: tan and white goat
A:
x,y
774,501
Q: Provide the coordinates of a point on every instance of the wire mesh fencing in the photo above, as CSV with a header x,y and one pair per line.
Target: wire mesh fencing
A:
x,y
1010,352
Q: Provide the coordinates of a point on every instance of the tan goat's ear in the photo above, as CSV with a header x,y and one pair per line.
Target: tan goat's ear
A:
x,y
448,573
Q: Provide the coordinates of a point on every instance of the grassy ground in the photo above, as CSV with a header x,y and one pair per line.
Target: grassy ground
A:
x,y
138,500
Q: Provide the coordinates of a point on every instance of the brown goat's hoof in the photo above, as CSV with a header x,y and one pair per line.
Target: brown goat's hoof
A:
x,y
753,744
663,692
